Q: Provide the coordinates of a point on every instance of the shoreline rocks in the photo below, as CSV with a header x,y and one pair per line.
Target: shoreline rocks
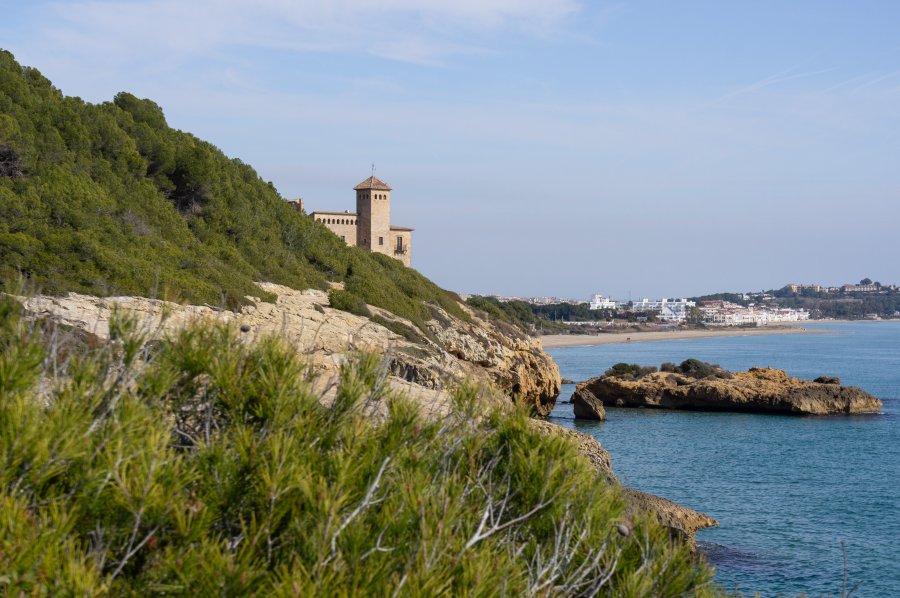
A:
x,y
587,406
681,522
759,390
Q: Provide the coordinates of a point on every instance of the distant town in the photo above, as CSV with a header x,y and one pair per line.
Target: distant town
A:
x,y
792,303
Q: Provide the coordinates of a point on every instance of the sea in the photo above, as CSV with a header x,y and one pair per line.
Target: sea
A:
x,y
807,504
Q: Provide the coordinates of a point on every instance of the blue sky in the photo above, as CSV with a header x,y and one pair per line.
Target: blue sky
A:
x,y
564,147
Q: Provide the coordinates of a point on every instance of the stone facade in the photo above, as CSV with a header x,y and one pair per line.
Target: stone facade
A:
x,y
370,226
401,239
343,224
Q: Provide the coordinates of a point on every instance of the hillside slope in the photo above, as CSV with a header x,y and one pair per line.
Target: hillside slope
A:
x,y
107,199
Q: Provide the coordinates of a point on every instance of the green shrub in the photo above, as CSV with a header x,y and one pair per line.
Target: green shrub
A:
x,y
629,370
348,302
701,369
207,465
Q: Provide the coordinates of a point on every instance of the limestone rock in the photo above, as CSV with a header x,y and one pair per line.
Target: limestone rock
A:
x,y
478,350
759,390
586,405
514,362
681,521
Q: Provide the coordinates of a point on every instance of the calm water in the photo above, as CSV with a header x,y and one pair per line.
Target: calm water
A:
x,y
787,491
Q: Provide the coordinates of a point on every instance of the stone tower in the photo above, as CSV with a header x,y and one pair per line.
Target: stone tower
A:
x,y
373,210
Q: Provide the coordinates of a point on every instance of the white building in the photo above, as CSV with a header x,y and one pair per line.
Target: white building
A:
x,y
601,302
724,313
668,310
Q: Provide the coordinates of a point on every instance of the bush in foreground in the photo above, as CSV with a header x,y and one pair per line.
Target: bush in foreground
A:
x,y
206,464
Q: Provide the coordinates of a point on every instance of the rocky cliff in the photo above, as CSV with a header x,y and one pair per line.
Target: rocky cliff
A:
x,y
759,390
510,362
452,350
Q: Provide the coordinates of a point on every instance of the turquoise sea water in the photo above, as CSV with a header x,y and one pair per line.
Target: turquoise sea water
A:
x,y
787,491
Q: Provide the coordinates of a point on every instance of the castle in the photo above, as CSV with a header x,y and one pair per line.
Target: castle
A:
x,y
370,226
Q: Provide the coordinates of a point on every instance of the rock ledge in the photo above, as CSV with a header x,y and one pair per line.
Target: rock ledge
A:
x,y
758,390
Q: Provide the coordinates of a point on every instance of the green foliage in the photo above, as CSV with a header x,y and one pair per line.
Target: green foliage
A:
x,y
207,465
107,199
549,317
629,370
348,302
507,312
693,368
701,369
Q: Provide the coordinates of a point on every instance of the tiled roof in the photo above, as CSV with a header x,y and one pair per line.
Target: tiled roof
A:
x,y
373,183
401,228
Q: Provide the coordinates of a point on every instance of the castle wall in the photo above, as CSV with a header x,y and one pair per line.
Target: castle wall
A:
x,y
401,245
342,224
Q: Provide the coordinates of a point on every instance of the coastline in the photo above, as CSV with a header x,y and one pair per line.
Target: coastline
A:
x,y
562,341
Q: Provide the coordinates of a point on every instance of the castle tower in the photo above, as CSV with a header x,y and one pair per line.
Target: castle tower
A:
x,y
373,209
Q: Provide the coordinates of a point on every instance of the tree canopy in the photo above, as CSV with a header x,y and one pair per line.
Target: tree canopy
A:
x,y
108,199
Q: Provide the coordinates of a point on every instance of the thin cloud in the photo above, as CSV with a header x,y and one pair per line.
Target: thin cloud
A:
x,y
875,81
780,77
404,30
849,82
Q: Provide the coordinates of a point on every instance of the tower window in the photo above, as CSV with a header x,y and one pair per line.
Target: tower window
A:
x,y
342,238
381,240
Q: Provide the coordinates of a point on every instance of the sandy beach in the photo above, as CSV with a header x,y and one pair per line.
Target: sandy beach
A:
x,y
555,341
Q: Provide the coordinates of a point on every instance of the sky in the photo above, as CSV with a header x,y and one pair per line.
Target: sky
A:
x,y
538,147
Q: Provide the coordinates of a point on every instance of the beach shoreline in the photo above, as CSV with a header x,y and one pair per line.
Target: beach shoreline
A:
x,y
562,341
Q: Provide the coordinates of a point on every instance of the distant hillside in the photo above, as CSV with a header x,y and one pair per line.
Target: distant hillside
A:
x,y
108,199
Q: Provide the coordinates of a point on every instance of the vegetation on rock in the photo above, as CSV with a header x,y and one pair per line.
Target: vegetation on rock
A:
x,y
693,368
109,200
629,370
206,464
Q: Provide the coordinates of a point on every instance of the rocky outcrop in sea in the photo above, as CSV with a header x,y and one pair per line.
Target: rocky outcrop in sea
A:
x,y
758,390
586,405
